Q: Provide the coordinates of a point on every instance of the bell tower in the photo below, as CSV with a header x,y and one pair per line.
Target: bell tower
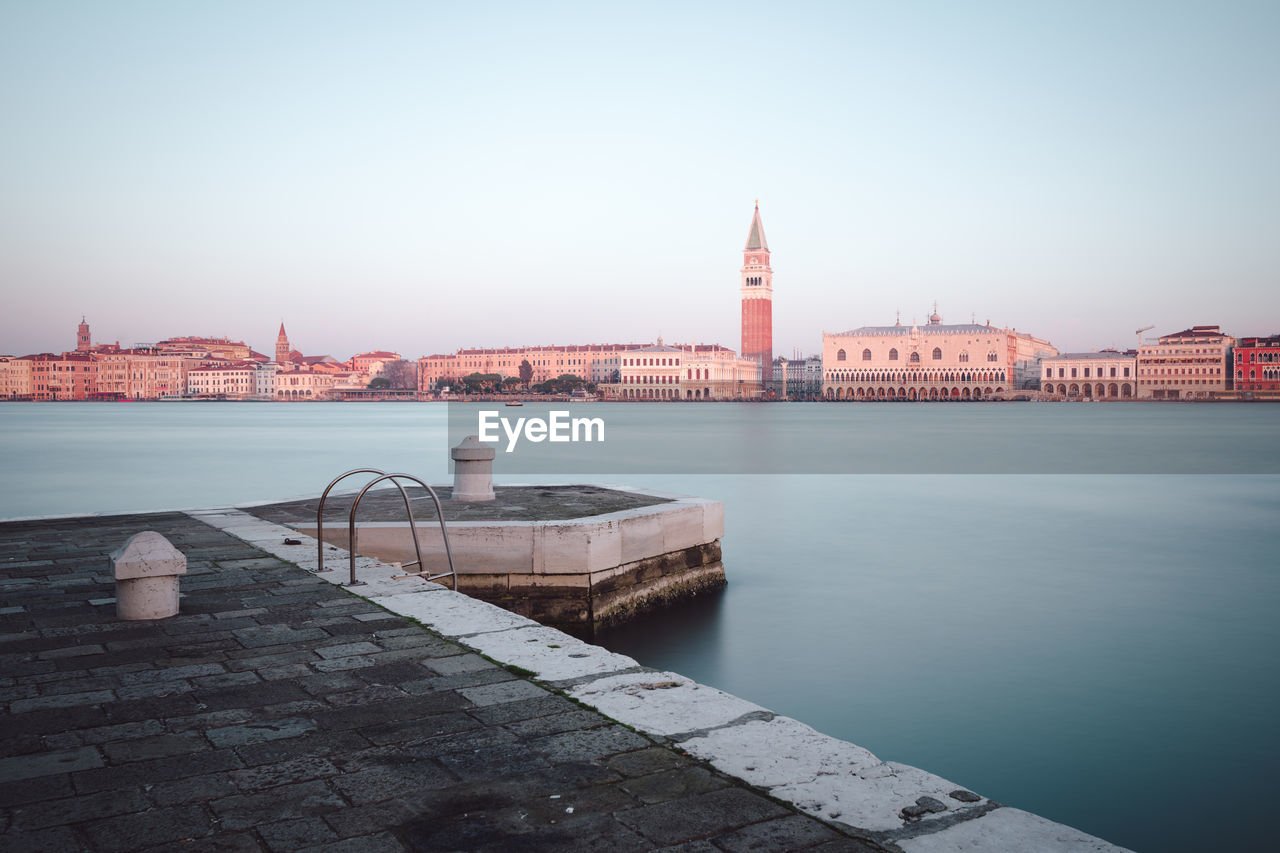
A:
x,y
757,298
83,342
282,346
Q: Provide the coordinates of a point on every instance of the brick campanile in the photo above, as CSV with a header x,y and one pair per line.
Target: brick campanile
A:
x,y
282,346
83,342
757,298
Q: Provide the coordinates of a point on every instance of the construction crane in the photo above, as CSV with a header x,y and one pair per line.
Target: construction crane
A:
x,y
1139,334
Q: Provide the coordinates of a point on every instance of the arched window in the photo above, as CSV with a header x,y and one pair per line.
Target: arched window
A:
x,y
991,356
964,357
840,356
893,355
866,355
937,353
914,358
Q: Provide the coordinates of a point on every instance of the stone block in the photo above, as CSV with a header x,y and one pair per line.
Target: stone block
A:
x,y
641,536
586,546
683,527
146,570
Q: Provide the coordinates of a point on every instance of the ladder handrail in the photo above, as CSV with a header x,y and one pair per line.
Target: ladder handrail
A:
x,y
413,528
320,513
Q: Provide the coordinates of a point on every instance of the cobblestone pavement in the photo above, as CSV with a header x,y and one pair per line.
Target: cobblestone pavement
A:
x,y
279,712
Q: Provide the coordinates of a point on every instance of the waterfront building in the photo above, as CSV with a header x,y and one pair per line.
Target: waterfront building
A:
x,y
15,378
70,376
597,363
1102,375
231,380
757,297
142,374
1195,363
302,381
264,380
938,361
685,372
1257,366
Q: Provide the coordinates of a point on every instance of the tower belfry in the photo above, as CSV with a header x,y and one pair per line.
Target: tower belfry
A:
x,y
757,298
83,342
282,346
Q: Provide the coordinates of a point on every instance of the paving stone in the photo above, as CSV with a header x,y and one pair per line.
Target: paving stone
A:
x,y
80,809
64,700
156,826
54,840
192,789
48,764
380,843
244,811
255,732
159,746
596,743
692,817
297,833
673,784
785,833
157,770
282,773
347,650
383,783
506,691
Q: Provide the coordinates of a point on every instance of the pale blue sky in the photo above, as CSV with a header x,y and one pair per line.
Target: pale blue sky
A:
x,y
421,177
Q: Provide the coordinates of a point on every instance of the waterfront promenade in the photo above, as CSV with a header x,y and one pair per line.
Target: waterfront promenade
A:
x,y
278,711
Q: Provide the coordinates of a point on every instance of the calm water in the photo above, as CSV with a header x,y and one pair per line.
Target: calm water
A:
x,y
1099,649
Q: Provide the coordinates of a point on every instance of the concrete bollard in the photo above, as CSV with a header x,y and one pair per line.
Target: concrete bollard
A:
x,y
472,470
146,570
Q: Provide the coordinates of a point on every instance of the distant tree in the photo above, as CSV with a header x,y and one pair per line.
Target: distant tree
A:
x,y
481,383
526,372
511,383
400,374
379,382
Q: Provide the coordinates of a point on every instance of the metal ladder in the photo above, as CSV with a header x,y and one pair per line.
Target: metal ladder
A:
x,y
413,527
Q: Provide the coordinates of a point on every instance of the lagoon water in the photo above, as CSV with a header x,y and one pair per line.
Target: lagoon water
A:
x,y
1097,648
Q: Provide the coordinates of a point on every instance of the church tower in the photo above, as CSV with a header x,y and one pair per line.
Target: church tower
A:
x,y
757,298
282,347
83,342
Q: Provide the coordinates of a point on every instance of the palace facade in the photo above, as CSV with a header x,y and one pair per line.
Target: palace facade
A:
x,y
1104,375
936,361
1258,365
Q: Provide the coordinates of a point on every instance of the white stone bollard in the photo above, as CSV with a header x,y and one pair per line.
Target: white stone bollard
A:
x,y
472,470
146,570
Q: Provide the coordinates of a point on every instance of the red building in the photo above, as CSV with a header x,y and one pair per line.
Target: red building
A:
x,y
757,298
1258,365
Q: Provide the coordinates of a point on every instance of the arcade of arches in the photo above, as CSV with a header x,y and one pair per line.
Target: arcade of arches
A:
x,y
927,384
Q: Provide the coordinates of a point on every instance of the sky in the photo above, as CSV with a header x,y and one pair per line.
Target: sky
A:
x,y
420,176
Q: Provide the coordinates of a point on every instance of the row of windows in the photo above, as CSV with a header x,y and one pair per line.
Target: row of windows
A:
x,y
913,376
651,362
1048,372
1267,373
915,356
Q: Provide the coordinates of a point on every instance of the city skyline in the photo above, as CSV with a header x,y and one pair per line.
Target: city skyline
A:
x,y
423,178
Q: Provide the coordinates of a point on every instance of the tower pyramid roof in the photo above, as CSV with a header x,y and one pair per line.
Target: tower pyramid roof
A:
x,y
755,236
